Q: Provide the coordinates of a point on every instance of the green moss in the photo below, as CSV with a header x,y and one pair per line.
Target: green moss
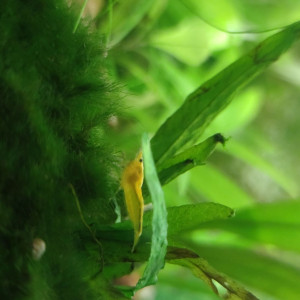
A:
x,y
54,96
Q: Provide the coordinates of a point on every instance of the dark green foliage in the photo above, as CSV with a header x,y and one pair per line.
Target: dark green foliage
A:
x,y
186,160
55,103
208,100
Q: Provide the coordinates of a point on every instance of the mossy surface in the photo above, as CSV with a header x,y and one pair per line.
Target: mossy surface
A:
x,y
55,103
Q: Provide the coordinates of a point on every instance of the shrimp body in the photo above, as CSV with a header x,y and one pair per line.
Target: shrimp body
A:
x,y
132,181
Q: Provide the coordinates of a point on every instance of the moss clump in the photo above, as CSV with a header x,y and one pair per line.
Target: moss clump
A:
x,y
55,103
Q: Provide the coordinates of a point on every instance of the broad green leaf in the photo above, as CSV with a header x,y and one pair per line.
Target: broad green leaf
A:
x,y
249,156
159,220
255,270
270,223
244,15
186,160
217,187
190,217
180,219
192,157
187,124
202,269
243,109
119,252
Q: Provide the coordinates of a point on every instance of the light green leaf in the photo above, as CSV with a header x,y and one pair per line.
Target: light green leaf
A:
x,y
243,109
272,223
180,219
244,15
159,220
119,253
192,157
255,270
187,124
190,217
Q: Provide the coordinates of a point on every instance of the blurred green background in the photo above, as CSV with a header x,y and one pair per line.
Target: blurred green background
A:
x,y
159,51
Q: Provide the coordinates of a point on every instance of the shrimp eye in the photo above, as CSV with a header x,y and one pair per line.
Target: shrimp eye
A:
x,y
140,160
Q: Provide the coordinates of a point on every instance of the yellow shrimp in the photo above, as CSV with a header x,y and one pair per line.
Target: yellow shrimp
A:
x,y
132,181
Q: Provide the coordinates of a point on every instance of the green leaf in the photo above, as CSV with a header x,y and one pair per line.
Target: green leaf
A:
x,y
191,216
242,110
159,220
187,124
192,157
201,269
119,253
272,223
180,219
257,271
244,15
